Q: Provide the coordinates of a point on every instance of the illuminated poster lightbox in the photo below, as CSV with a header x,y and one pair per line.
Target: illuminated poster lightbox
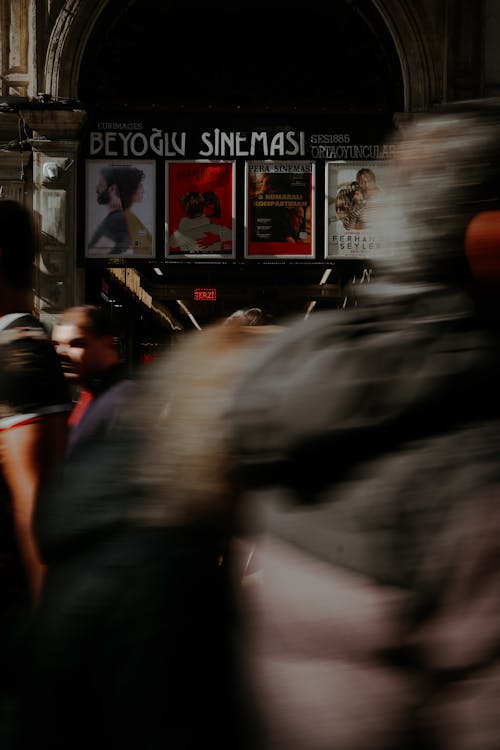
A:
x,y
200,209
353,193
279,209
120,209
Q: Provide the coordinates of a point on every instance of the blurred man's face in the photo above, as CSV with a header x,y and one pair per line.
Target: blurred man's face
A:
x,y
139,193
102,191
262,183
297,217
83,357
366,183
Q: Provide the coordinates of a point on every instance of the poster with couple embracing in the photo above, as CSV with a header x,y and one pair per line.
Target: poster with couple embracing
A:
x,y
200,208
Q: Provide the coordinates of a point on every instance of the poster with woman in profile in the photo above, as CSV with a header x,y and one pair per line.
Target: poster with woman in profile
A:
x,y
200,209
120,209
279,199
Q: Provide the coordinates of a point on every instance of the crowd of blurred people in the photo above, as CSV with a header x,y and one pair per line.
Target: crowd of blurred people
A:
x,y
277,536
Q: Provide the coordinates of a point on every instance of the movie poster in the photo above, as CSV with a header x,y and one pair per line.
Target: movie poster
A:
x,y
200,209
120,209
279,201
353,193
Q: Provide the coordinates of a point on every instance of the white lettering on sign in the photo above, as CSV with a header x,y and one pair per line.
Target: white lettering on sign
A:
x,y
222,143
112,143
351,151
216,143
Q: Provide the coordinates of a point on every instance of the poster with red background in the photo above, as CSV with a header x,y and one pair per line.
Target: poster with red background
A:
x,y
279,209
200,208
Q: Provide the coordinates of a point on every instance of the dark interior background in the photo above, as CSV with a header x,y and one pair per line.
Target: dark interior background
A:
x,y
316,55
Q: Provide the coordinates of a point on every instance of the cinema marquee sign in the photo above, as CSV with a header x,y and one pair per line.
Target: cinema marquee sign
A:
x,y
134,142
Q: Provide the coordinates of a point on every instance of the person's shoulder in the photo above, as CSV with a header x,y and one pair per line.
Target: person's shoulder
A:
x,y
221,230
116,219
133,220
31,378
28,335
23,326
126,386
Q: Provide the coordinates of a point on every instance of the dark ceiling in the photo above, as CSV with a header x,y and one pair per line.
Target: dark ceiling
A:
x,y
177,55
282,289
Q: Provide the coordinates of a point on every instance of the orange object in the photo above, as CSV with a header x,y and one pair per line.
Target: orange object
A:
x,y
482,245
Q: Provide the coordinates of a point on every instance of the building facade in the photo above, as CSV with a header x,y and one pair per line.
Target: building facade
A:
x,y
67,66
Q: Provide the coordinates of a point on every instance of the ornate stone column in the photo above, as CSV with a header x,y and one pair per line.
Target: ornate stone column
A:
x,y
55,142
15,160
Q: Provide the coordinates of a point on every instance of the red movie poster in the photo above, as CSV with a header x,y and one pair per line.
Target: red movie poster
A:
x,y
279,209
200,209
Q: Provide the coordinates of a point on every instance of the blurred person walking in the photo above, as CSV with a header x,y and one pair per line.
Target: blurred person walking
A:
x,y
34,402
85,343
133,639
250,316
64,657
368,442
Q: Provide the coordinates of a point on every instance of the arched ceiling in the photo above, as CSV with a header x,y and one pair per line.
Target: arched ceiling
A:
x,y
318,56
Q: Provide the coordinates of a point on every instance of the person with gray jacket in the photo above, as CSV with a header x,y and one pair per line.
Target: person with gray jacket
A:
x,y
368,444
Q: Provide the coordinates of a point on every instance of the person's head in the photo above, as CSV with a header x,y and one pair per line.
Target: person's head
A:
x,y
366,180
269,182
445,171
84,341
193,203
212,204
249,316
262,182
130,183
297,215
18,245
123,184
106,188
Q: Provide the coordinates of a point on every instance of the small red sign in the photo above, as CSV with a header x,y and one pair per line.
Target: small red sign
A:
x,y
205,295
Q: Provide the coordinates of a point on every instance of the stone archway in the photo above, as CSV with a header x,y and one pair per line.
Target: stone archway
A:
x,y
420,78
77,18
72,28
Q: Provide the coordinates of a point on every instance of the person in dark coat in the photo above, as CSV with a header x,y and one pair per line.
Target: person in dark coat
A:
x,y
133,640
85,343
88,550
